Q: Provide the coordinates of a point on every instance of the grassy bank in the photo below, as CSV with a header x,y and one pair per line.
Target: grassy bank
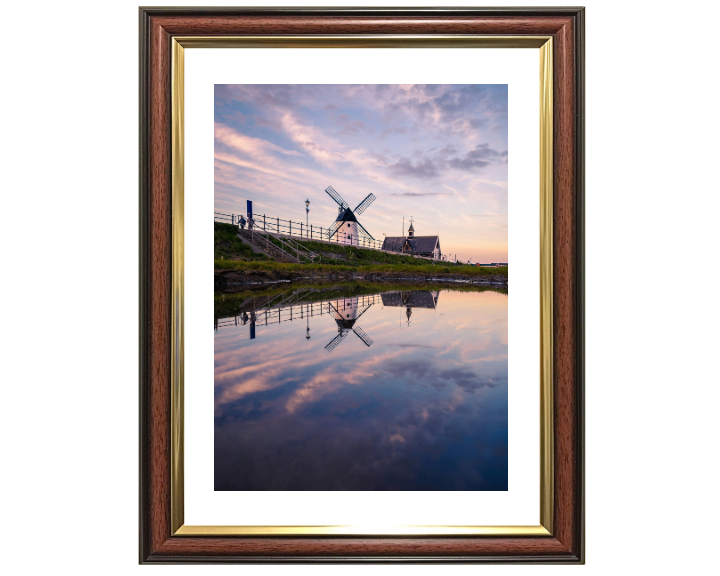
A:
x,y
344,255
338,254
233,254
229,247
411,269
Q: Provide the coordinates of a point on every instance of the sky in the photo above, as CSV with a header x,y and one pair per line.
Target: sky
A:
x,y
436,153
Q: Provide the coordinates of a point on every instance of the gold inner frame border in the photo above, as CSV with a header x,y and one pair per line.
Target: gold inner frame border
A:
x,y
545,46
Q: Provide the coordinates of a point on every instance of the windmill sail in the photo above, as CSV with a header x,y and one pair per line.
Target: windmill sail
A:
x,y
364,232
364,204
335,341
335,196
360,333
360,311
334,228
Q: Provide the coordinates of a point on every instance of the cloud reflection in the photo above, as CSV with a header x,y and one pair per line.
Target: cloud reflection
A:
x,y
407,413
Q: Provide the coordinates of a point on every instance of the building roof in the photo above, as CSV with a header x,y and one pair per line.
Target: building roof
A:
x,y
424,244
393,243
346,216
411,299
418,244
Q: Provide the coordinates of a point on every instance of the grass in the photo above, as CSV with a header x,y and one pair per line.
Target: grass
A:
x,y
350,255
227,305
419,269
229,247
361,256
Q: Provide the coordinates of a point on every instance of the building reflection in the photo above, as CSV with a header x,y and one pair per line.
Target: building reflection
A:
x,y
411,299
266,311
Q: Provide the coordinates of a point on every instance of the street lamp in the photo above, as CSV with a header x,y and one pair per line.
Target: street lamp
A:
x,y
307,211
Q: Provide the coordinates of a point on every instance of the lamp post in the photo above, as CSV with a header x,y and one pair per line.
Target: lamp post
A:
x,y
307,212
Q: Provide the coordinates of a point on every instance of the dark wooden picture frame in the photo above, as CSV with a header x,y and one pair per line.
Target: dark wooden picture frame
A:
x,y
158,541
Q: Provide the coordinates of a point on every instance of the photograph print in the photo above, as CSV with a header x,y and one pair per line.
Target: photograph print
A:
x,y
361,287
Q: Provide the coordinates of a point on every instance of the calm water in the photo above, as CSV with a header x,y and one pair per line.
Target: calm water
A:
x,y
388,391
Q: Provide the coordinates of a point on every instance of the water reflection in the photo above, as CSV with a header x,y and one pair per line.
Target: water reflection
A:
x,y
415,399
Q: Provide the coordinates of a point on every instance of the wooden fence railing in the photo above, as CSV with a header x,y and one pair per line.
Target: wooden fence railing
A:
x,y
304,231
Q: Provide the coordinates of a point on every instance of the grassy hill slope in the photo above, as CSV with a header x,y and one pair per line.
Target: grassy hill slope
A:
x,y
232,254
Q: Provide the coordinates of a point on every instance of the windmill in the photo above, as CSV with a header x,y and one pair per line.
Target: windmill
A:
x,y
346,314
346,226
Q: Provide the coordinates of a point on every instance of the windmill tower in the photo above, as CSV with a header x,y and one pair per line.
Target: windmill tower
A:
x,y
346,312
346,229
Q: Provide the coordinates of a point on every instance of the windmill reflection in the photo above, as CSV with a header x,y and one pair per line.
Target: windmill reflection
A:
x,y
346,313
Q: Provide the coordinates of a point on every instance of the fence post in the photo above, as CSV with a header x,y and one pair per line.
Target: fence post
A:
x,y
233,219
264,224
311,232
278,225
300,229
290,222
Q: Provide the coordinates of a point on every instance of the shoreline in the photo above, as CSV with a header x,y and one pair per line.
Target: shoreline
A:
x,y
227,280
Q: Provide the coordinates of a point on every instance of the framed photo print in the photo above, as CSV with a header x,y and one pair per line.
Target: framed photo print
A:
x,y
373,388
